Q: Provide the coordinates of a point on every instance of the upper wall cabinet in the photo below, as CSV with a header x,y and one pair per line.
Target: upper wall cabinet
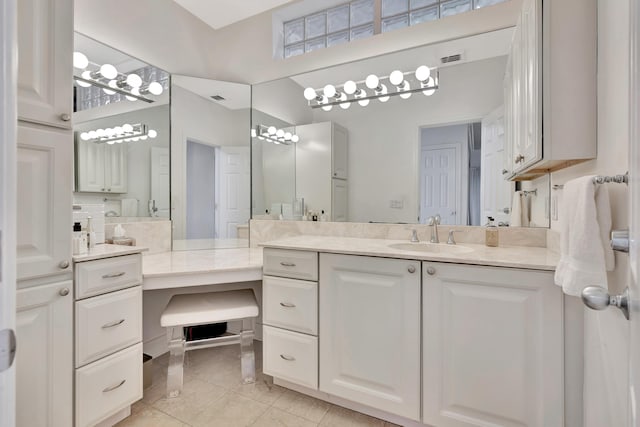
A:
x,y
101,168
550,88
45,43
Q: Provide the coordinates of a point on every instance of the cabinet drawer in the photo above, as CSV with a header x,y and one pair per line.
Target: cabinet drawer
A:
x,y
106,275
107,323
289,263
290,304
108,385
291,356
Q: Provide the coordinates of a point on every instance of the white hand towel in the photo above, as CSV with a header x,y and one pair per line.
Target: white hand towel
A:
x,y
520,210
585,223
129,207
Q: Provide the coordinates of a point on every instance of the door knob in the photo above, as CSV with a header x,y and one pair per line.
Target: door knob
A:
x,y
64,292
65,117
598,298
63,264
504,171
431,271
411,269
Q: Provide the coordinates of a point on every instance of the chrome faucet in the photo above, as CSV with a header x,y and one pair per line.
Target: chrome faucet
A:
x,y
451,240
414,236
433,222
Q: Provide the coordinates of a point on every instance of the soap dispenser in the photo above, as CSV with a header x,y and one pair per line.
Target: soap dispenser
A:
x,y
491,233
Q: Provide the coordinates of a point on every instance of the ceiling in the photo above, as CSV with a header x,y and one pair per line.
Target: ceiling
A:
x,y
220,13
236,95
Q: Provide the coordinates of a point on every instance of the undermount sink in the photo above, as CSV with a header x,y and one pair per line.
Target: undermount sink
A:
x,y
436,248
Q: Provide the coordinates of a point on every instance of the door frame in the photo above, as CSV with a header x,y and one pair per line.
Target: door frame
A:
x,y
8,148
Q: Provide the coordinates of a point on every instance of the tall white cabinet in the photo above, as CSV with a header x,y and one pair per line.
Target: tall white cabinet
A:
x,y
321,168
44,356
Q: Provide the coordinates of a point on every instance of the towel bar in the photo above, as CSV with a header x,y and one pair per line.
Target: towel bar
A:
x,y
601,179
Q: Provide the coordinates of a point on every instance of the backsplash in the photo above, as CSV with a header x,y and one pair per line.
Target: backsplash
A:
x,y
154,235
265,230
96,211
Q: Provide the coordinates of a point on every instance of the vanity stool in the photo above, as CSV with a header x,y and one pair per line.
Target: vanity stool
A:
x,y
201,309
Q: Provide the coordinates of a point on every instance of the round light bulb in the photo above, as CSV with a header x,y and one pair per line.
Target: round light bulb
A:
x,y
84,136
127,128
405,88
422,73
134,80
295,138
383,91
272,130
372,81
118,130
92,134
85,75
155,88
80,60
261,137
344,105
143,137
429,87
108,71
112,142
152,133
287,136
310,94
253,133
134,91
362,94
109,91
329,91
280,133
350,87
396,78
126,140
110,132
327,107
135,139
101,133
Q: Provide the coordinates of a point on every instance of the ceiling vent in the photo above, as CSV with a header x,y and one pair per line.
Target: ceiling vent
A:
x,y
218,97
451,58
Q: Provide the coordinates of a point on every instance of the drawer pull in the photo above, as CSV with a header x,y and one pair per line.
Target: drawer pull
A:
x,y
288,358
287,304
113,387
112,324
113,275
287,264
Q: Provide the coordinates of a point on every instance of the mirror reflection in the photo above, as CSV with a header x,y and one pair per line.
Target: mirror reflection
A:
x,y
210,163
436,149
121,124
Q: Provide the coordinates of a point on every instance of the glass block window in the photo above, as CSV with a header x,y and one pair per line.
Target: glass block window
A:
x,y
359,19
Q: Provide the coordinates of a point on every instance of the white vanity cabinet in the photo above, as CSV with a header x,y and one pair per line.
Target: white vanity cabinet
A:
x,y
101,168
492,347
45,62
550,78
44,357
321,168
370,331
108,337
290,316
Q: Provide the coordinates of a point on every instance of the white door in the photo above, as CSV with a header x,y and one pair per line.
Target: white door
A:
x,y
339,200
370,331
495,197
234,198
8,119
160,181
115,178
90,161
439,184
339,152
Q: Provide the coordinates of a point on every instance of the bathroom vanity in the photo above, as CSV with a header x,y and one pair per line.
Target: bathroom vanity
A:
x,y
417,333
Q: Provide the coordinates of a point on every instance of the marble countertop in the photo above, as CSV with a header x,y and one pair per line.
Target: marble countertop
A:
x,y
106,250
202,267
534,258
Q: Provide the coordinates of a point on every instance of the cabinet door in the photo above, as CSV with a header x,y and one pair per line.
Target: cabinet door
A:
x,y
339,200
90,161
45,159
492,347
339,152
45,64
116,168
370,331
44,358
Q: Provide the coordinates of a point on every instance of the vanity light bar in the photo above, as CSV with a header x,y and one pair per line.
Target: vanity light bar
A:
x,y
272,134
398,83
119,134
107,77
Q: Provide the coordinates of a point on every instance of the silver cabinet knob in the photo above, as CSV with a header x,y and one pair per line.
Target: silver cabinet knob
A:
x,y
431,271
504,171
411,269
519,158
65,117
63,264
64,292
598,298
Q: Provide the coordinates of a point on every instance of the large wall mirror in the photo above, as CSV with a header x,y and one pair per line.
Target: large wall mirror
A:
x,y
437,152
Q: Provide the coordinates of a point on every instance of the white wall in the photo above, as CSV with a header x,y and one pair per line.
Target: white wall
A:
x,y
204,121
608,384
161,33
138,156
384,138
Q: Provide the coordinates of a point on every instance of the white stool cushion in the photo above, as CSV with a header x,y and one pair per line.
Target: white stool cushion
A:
x,y
211,307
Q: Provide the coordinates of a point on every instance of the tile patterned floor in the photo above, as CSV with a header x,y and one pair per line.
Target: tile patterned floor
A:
x,y
213,396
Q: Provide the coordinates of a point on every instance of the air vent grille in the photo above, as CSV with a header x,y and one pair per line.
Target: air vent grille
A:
x,y
451,58
218,97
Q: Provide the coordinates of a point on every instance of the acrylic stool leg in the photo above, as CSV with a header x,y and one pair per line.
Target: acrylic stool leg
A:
x,y
175,371
247,355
